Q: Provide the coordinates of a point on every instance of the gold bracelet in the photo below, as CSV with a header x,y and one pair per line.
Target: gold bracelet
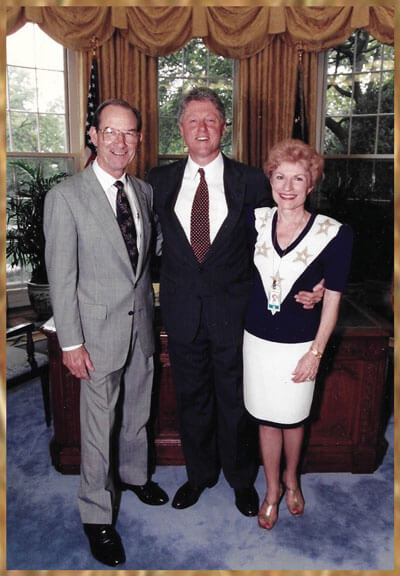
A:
x,y
317,354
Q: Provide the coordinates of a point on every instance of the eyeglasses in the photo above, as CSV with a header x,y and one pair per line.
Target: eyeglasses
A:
x,y
112,134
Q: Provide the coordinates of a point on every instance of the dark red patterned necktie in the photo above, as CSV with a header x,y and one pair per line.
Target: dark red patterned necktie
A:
x,y
200,220
126,223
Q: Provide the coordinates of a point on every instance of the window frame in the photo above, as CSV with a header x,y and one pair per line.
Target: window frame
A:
x,y
17,295
363,284
322,80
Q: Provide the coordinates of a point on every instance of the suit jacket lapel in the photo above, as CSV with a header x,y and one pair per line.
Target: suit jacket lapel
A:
x,y
98,204
234,194
144,222
175,183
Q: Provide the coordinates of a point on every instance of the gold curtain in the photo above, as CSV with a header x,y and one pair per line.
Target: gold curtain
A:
x,y
265,40
267,89
72,27
160,30
235,32
238,32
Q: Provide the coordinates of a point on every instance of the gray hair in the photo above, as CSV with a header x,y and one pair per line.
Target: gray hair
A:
x,y
199,94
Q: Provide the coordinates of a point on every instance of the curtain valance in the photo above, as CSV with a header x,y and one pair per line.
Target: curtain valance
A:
x,y
129,39
232,31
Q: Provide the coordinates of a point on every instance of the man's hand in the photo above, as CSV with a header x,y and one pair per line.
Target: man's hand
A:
x,y
78,362
310,299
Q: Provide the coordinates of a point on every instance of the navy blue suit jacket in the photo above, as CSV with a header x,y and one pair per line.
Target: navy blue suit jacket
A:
x,y
219,287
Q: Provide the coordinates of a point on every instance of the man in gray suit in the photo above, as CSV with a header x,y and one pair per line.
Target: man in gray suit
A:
x,y
98,228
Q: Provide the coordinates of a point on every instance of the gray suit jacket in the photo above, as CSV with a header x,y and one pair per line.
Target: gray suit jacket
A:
x,y
95,293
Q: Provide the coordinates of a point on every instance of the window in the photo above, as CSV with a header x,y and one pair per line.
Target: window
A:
x,y
39,129
357,139
36,95
359,115
193,65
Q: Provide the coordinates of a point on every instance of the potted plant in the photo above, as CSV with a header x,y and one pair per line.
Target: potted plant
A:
x,y
25,238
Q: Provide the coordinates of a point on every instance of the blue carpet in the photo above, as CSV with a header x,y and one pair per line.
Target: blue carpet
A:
x,y
348,523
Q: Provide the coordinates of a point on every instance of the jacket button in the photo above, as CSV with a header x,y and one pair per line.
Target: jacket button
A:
x,y
130,313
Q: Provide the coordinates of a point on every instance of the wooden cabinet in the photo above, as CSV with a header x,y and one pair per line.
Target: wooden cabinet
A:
x,y
346,433
65,389
64,394
164,421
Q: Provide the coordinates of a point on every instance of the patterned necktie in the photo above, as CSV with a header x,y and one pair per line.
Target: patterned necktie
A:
x,y
126,223
200,221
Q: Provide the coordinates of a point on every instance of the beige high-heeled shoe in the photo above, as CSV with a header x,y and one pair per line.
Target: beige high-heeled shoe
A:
x,y
294,500
267,519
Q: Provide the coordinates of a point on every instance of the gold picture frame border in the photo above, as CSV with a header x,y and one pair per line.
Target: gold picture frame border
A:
x,y
21,3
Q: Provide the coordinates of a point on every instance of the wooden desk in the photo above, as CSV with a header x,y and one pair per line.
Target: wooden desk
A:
x,y
346,433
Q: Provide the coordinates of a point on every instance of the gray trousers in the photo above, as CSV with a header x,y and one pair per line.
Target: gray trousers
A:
x,y
98,400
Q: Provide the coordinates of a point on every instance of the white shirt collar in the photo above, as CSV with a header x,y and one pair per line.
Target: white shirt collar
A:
x,y
106,180
212,171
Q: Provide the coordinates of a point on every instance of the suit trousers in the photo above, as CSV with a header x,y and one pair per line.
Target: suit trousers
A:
x,y
113,445
214,427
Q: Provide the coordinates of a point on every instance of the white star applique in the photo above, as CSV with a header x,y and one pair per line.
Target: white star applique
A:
x,y
263,220
277,278
303,256
262,249
324,227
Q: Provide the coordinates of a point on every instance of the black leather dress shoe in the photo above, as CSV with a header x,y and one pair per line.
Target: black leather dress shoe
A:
x,y
150,493
187,495
247,501
105,544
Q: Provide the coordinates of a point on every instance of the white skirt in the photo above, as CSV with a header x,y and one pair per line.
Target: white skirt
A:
x,y
269,391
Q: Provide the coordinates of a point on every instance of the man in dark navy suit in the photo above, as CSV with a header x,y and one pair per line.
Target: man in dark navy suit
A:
x,y
206,274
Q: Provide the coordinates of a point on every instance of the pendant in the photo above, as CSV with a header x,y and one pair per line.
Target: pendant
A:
x,y
274,298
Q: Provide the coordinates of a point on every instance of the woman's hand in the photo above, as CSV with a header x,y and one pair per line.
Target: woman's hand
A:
x,y
307,368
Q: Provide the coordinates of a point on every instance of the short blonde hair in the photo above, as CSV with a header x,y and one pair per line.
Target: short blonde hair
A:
x,y
292,150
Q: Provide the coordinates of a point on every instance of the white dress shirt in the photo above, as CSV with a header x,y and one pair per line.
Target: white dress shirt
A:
x,y
107,183
214,175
